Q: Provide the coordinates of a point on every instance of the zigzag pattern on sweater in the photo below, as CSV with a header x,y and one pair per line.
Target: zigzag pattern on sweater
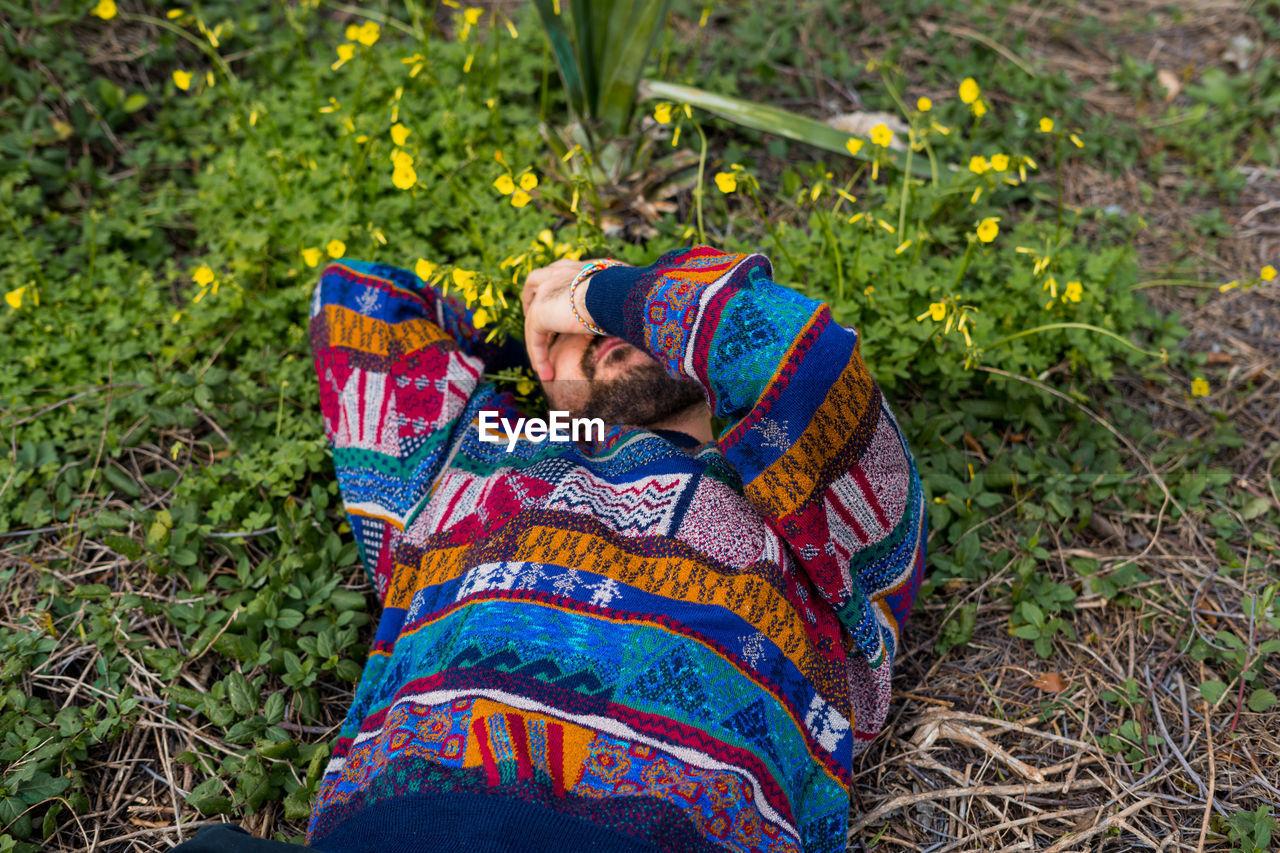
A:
x,y
682,646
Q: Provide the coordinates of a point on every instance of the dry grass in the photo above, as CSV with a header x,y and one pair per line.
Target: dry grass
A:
x,y
989,747
951,773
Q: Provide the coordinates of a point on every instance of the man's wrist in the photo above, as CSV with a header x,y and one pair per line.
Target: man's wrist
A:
x,y
578,294
612,289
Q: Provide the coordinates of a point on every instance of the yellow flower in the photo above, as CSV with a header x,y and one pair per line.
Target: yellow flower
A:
x,y
14,297
1000,162
425,269
937,311
524,386
978,108
1267,273
520,198
335,248
106,10
470,17
1199,387
486,298
399,133
366,33
404,177
505,185
978,164
1046,125
311,257
511,28
881,135
727,182
208,79
988,229
969,90
528,181
869,289
853,145
1051,285
924,104
465,279
480,318
662,113
1073,292
1231,285
182,79
203,275
333,105
345,52
1075,140
173,14
902,247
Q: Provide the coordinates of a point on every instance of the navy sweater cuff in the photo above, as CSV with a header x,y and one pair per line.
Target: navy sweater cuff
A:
x,y
607,291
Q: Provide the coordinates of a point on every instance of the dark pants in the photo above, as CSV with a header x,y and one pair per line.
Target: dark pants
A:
x,y
229,838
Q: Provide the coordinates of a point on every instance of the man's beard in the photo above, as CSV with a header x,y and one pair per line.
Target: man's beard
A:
x,y
645,394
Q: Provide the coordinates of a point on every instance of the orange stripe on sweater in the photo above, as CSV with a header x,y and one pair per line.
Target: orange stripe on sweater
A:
x,y
749,596
354,330
791,480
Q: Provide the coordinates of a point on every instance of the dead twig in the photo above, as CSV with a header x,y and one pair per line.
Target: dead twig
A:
x,y
979,791
1117,819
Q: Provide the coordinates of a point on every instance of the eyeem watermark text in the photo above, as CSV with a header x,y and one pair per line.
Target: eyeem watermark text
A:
x,y
560,427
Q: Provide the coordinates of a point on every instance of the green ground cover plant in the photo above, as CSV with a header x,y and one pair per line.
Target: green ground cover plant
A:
x,y
179,579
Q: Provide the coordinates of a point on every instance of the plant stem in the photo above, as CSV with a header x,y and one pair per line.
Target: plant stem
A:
x,y
857,250
1174,282
835,250
364,153
1057,156
848,187
698,190
777,243
280,407
964,264
906,183
1048,326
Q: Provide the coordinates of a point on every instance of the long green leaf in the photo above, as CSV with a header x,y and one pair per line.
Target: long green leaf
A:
x,y
632,33
590,19
771,120
562,46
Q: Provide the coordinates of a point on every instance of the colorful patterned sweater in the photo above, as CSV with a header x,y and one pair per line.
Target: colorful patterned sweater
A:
x,y
636,644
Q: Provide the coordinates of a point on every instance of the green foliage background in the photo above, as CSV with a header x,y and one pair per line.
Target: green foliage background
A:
x,y
169,502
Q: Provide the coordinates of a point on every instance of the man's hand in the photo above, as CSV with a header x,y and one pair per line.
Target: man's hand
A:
x,y
547,311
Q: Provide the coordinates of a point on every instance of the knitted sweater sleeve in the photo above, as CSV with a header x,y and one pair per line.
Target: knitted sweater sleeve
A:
x,y
821,456
400,368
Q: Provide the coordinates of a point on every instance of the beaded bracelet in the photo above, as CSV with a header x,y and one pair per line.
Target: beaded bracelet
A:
x,y
586,272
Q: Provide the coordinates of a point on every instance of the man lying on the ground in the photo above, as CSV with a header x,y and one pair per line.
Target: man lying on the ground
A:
x,y
655,638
